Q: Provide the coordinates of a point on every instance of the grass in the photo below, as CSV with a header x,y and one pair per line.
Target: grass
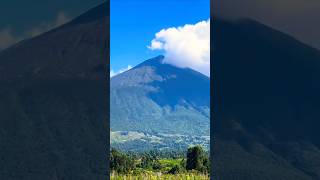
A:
x,y
170,162
152,175
167,164
160,176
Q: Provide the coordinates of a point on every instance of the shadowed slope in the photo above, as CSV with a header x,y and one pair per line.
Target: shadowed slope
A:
x,y
266,101
53,102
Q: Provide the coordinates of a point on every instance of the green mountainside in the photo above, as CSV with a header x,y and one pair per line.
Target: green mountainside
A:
x,y
154,98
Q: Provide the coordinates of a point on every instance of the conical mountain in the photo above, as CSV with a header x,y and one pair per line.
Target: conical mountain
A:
x,y
155,97
76,49
266,103
53,114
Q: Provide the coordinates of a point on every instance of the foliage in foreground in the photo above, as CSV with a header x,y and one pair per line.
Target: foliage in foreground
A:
x,y
194,164
157,176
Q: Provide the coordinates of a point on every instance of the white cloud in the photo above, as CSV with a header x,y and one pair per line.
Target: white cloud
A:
x,y
186,46
8,37
155,45
113,73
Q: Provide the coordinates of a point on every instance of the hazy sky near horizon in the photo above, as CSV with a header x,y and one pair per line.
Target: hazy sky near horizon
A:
x,y
298,18
23,19
134,24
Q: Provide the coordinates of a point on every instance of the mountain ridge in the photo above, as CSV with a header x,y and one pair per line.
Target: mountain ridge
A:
x,y
53,103
88,31
153,97
265,103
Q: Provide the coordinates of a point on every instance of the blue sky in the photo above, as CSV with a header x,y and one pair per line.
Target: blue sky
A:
x,y
134,23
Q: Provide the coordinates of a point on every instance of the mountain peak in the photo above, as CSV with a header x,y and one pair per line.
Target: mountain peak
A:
x,y
168,91
153,61
76,49
96,13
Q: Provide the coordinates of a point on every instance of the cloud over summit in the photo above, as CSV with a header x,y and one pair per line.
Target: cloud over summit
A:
x,y
185,46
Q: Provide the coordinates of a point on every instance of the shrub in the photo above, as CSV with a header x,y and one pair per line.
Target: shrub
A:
x,y
174,170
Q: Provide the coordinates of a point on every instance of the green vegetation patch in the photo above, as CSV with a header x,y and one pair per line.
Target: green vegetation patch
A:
x,y
192,164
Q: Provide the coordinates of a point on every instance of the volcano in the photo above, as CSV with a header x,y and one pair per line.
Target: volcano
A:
x,y
53,102
266,103
155,97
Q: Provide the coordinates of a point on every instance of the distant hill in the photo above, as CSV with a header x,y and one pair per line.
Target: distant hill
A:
x,y
154,97
266,103
53,102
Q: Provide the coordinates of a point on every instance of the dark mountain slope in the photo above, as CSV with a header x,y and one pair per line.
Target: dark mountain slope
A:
x,y
156,97
53,102
266,103
74,50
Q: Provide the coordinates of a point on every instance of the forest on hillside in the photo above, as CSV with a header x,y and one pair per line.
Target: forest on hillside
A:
x,y
192,163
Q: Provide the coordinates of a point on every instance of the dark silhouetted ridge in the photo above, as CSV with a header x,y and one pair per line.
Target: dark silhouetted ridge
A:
x,y
53,103
94,14
266,103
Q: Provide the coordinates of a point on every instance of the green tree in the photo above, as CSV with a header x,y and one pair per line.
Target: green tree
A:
x,y
197,159
146,162
120,162
183,163
206,163
150,161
